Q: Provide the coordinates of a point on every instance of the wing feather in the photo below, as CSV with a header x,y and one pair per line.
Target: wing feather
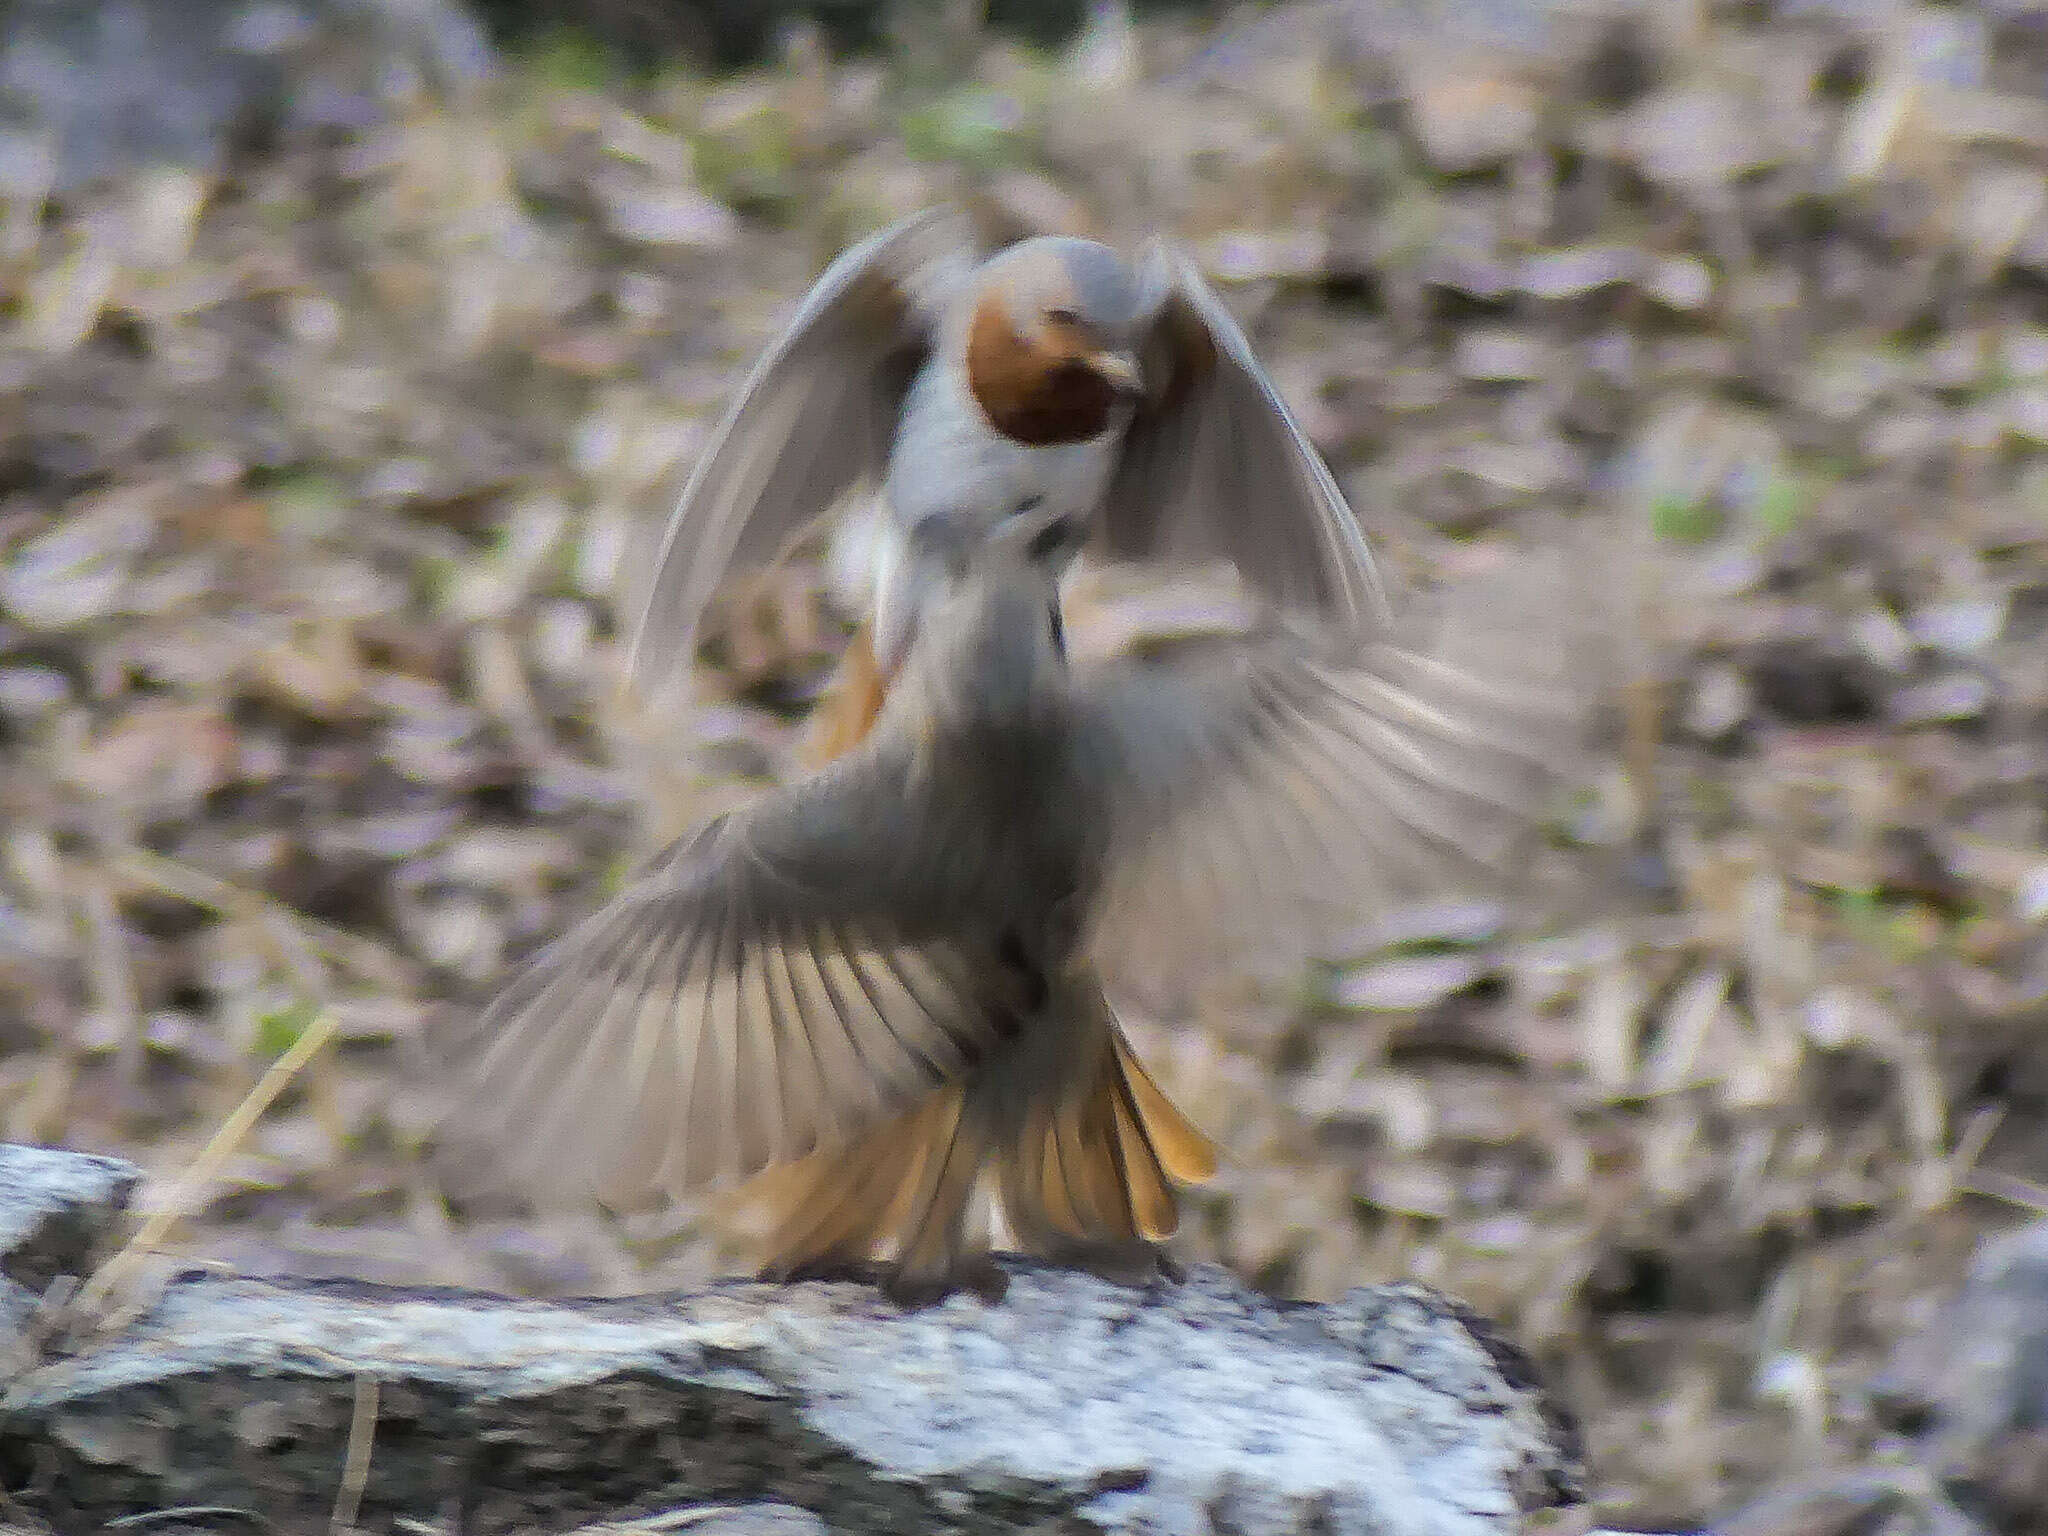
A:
x,y
1215,466
814,419
747,1000
1258,797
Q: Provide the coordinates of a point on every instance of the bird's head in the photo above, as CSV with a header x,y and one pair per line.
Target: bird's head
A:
x,y
1052,340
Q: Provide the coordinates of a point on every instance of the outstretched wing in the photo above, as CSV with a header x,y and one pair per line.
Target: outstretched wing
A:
x,y
785,979
1214,466
814,419
1261,795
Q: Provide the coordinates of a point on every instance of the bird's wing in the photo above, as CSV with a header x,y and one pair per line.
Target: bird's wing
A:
x,y
814,419
1259,797
786,978
1214,465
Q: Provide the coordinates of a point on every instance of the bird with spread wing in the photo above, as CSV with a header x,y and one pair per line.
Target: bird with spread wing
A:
x,y
872,994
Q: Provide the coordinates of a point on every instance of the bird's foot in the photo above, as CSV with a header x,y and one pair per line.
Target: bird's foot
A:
x,y
826,1269
978,1273
1122,1263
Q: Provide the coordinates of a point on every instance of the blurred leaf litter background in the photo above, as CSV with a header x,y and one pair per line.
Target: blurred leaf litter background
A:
x,y
352,350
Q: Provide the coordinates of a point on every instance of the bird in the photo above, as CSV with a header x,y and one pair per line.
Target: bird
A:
x,y
918,378
870,996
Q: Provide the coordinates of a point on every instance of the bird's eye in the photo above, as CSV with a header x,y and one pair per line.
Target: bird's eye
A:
x,y
1061,317
1028,504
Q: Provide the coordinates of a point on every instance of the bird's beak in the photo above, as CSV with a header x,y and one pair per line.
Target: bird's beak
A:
x,y
1119,370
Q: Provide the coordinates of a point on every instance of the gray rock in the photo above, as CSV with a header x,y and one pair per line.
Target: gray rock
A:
x,y
716,1520
1979,1369
1968,1394
54,1206
1072,1403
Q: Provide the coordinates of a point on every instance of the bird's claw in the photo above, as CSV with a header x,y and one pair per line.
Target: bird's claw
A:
x,y
1137,1264
1124,1263
981,1275
827,1270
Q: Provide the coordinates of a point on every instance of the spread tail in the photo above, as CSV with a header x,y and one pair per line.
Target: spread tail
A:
x,y
904,1186
1099,1168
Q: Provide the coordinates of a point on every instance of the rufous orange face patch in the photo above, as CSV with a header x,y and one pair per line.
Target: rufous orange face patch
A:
x,y
1038,390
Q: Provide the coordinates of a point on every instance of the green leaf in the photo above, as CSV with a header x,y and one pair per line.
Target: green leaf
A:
x,y
751,164
279,1031
1684,519
1783,506
566,59
974,126
306,504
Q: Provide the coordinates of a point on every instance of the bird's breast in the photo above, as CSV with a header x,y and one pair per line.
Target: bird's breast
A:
x,y
948,459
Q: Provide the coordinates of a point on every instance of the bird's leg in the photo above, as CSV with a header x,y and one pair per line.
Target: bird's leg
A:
x,y
827,1269
976,1272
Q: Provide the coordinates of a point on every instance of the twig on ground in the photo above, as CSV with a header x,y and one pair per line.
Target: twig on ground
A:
x,y
355,1466
185,1193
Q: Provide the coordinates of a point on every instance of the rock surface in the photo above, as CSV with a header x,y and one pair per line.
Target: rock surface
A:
x,y
53,1205
1191,1408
